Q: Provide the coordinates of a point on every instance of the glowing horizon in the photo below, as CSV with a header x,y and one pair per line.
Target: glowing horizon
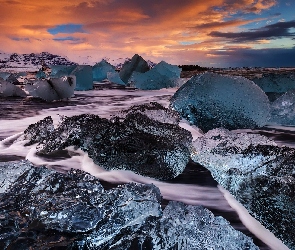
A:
x,y
212,33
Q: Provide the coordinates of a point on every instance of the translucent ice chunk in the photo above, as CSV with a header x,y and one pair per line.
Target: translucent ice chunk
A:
x,y
101,69
84,80
4,75
9,89
163,75
40,74
53,88
210,101
283,109
115,78
259,174
137,64
61,70
278,83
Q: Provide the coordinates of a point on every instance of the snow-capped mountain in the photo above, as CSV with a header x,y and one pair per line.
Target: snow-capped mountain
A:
x,y
31,61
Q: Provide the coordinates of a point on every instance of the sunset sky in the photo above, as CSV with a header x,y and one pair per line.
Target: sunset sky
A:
x,y
214,33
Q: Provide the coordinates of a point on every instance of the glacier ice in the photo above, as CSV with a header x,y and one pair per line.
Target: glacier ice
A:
x,y
83,74
53,88
114,77
61,70
163,75
259,174
8,89
283,109
137,64
100,70
275,82
210,101
136,142
44,209
40,74
4,75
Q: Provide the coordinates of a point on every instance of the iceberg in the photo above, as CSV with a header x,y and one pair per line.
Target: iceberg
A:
x,y
44,209
210,101
283,109
137,64
4,75
61,70
83,74
8,89
138,143
40,74
114,77
258,173
100,70
53,88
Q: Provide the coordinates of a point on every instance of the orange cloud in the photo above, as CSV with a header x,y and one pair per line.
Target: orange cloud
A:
x,y
156,29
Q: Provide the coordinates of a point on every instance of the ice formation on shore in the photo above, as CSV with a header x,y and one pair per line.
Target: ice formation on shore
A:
x,y
137,64
138,142
163,75
275,82
210,101
259,174
283,109
114,77
53,88
83,74
100,70
44,209
8,89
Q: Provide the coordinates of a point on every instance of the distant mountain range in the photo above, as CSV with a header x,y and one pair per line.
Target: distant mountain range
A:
x,y
31,61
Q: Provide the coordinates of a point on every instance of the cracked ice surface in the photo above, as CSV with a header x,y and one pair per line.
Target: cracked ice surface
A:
x,y
210,101
259,174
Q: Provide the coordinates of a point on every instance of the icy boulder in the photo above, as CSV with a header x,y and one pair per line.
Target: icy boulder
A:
x,y
114,77
9,89
101,69
138,143
210,101
53,88
137,64
44,209
283,109
259,174
83,74
278,83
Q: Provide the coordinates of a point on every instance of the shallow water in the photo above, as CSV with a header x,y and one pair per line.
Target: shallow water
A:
x,y
194,186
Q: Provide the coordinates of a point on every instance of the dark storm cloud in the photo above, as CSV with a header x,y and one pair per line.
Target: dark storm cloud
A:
x,y
273,31
258,57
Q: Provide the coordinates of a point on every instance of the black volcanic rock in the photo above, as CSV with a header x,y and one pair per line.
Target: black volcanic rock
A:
x,y
259,174
43,209
137,142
